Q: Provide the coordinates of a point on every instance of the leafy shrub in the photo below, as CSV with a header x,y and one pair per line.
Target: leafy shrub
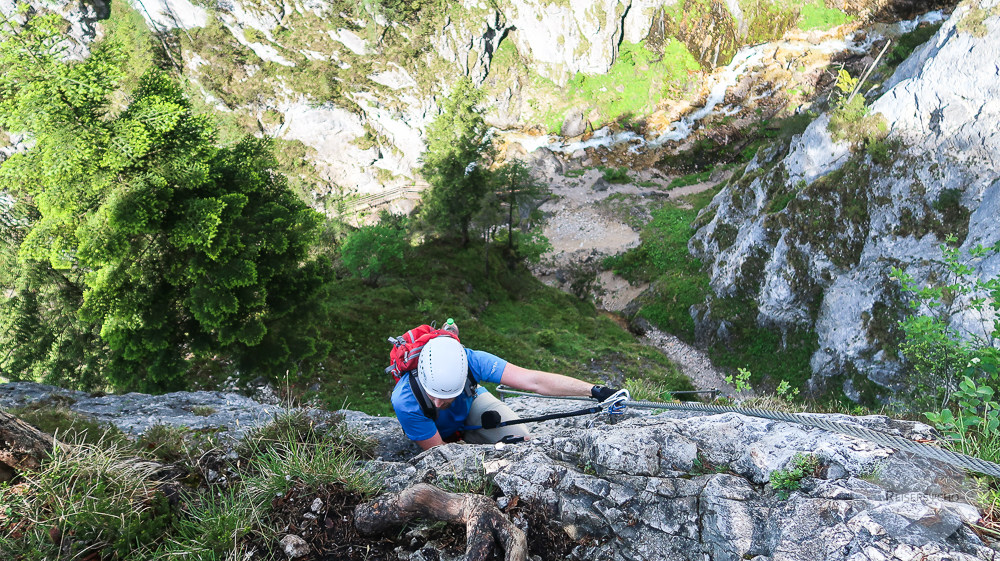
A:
x,y
956,372
938,354
908,42
850,119
546,338
784,481
371,252
616,175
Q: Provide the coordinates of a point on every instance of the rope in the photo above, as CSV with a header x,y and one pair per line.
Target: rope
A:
x,y
899,443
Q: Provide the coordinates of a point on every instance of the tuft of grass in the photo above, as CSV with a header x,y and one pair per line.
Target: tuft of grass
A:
x,y
90,498
616,175
85,498
691,179
203,411
55,418
974,21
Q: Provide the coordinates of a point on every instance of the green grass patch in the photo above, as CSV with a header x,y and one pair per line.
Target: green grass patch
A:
x,y
817,16
616,175
104,497
635,83
662,259
508,313
691,179
770,357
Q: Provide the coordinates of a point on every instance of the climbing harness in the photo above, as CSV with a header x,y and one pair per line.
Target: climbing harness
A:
x,y
917,448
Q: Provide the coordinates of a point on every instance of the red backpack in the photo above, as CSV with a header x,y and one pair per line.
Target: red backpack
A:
x,y
406,348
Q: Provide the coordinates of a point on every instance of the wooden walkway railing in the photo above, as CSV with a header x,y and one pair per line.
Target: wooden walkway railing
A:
x,y
375,200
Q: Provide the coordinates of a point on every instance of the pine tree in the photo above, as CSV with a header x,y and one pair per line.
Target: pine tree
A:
x,y
141,238
455,164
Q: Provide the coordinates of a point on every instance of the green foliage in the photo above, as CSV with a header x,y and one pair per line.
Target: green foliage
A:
x,y
908,42
54,417
616,175
373,251
149,245
766,20
101,498
662,258
90,497
950,366
784,481
766,351
126,27
974,426
850,119
974,20
691,178
817,16
454,164
635,83
512,198
740,380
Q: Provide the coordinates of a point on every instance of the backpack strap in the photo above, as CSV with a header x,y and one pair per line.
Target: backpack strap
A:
x,y
426,406
470,384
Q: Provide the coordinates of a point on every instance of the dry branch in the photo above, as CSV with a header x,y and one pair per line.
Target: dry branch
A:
x,y
485,525
22,446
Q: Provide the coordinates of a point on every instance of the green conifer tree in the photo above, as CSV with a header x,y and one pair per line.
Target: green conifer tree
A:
x,y
455,164
140,237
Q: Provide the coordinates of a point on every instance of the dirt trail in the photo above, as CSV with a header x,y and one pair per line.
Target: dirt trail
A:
x,y
587,223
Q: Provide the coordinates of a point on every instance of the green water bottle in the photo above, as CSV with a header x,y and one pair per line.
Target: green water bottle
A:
x,y
451,326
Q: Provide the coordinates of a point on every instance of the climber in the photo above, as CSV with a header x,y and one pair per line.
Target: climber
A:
x,y
445,397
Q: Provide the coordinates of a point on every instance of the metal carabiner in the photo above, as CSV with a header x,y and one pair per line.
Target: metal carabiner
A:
x,y
617,404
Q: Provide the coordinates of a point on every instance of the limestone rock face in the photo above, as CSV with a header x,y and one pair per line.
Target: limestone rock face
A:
x,y
676,485
809,233
682,486
565,38
135,413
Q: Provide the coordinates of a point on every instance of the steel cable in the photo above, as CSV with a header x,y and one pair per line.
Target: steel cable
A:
x,y
897,442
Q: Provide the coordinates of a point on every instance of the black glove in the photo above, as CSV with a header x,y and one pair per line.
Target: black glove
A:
x,y
601,393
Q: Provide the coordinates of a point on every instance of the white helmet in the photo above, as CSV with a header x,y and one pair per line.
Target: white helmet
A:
x,y
442,368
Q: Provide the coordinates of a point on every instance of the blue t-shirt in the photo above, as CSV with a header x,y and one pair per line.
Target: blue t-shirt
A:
x,y
484,367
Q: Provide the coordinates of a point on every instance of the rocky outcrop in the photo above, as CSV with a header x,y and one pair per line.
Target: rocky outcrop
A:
x,y
808,234
359,103
230,413
675,485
